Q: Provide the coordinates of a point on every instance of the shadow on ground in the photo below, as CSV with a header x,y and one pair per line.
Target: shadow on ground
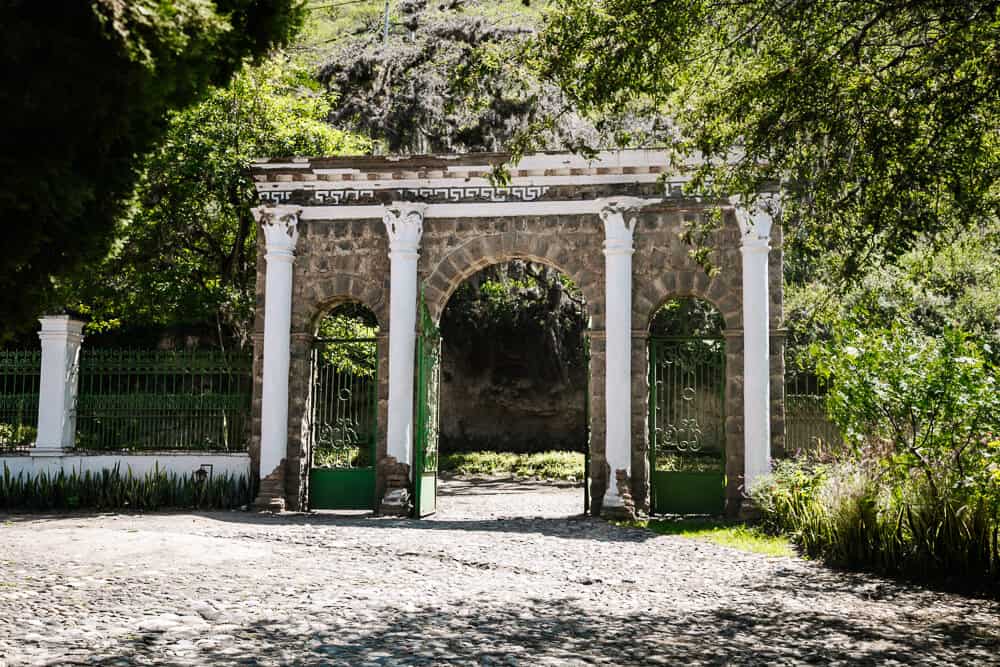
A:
x,y
561,632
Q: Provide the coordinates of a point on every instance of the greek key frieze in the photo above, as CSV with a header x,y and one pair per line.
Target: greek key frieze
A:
x,y
477,193
336,197
458,194
278,197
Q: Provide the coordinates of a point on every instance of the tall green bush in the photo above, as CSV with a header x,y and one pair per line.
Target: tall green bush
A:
x,y
918,491
926,405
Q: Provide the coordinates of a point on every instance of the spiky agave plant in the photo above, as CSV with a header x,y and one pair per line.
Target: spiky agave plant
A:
x,y
113,489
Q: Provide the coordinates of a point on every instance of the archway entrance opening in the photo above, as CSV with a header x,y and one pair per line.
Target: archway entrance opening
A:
x,y
343,425
687,401
513,424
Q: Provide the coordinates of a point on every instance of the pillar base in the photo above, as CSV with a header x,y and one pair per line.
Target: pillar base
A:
x,y
47,451
618,504
397,500
271,495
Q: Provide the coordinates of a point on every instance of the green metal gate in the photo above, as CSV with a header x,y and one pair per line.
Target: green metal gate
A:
x,y
687,425
425,458
343,427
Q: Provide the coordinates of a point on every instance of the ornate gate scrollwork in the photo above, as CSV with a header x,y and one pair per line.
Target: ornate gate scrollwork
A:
x,y
687,423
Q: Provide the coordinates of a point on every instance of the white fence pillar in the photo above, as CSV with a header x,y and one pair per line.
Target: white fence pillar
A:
x,y
755,228
61,337
404,224
280,227
618,351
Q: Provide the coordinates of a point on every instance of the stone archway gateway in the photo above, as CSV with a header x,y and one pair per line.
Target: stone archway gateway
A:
x,y
399,234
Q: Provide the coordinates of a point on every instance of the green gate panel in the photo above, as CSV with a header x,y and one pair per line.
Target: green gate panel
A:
x,y
687,419
688,492
425,451
342,488
427,499
344,423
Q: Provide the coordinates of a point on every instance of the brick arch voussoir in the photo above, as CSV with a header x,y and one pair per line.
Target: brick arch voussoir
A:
x,y
345,288
654,299
469,259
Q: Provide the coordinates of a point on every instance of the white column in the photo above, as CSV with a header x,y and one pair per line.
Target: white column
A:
x,y
280,227
404,223
618,339
755,227
61,337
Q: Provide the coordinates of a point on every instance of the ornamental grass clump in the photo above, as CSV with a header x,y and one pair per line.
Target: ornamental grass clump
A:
x,y
917,493
110,489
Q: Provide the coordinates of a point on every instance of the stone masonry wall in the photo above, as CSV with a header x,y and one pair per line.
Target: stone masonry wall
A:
x,y
340,261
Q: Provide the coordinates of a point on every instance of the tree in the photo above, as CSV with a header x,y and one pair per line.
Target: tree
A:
x,y
186,250
879,117
449,79
929,290
87,87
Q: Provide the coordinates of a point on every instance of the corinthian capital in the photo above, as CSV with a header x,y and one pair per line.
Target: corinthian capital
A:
x,y
404,222
280,225
619,216
756,217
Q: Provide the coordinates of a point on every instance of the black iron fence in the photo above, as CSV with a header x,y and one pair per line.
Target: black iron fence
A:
x,y
19,379
163,400
808,427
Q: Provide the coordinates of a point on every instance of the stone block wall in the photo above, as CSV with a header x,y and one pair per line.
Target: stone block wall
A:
x,y
339,261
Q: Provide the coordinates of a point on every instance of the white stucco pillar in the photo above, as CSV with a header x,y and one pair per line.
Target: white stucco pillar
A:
x,y
280,227
755,227
618,228
61,337
404,223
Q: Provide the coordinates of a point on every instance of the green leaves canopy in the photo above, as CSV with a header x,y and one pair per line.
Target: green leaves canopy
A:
x,y
881,117
186,253
87,87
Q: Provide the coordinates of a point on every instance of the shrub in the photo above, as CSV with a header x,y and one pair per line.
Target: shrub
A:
x,y
918,492
110,489
930,403
545,465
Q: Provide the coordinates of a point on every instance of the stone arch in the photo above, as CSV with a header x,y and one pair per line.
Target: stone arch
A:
x,y
466,260
651,296
344,288
727,324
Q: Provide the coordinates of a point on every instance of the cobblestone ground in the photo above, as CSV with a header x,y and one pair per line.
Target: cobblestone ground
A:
x,y
467,587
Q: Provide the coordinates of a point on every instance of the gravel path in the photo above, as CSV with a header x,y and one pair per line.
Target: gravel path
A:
x,y
464,588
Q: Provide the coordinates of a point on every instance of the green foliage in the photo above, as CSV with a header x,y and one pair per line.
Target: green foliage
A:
x,y
544,465
879,118
848,514
929,404
732,535
929,289
186,251
672,461
17,436
518,311
87,89
113,490
918,491
687,317
354,353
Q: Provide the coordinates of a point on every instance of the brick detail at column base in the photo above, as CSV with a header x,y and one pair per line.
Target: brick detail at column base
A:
x,y
625,511
397,499
271,496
